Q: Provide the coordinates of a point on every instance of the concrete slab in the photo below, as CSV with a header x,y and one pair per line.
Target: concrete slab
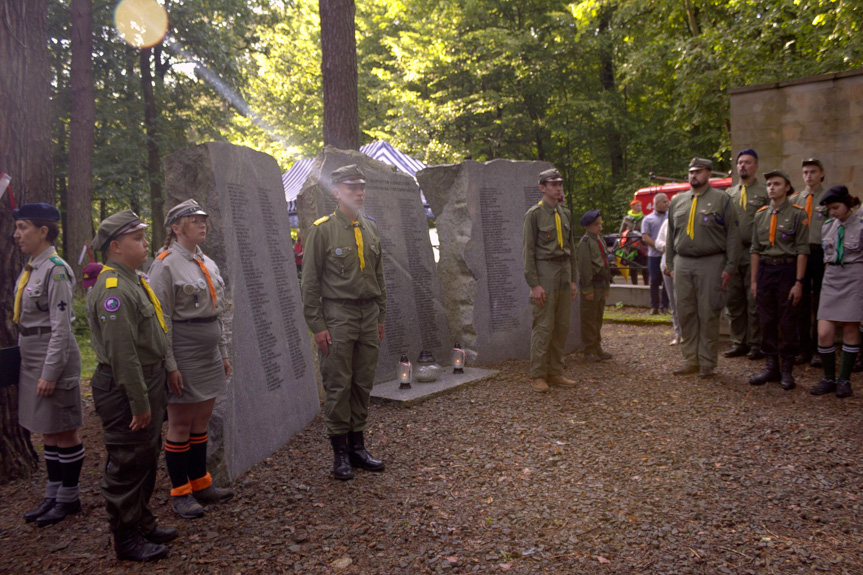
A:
x,y
389,392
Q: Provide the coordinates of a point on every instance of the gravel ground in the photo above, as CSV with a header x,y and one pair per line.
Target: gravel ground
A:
x,y
634,471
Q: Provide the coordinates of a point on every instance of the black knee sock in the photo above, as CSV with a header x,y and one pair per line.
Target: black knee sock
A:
x,y
828,361
71,462
197,455
52,464
177,462
849,356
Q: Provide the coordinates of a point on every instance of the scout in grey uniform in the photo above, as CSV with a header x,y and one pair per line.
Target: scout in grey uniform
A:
x,y
779,250
594,280
49,397
703,249
344,303
192,293
749,196
842,289
127,332
810,198
550,271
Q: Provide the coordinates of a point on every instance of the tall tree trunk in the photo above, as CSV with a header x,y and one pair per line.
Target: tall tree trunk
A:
x,y
606,76
339,69
79,218
153,160
26,155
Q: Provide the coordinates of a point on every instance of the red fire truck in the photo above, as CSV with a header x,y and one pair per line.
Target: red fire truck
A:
x,y
646,195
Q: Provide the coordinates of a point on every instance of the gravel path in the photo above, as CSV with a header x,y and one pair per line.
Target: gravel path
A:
x,y
634,471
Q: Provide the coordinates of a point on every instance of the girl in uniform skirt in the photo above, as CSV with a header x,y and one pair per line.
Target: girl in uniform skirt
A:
x,y
49,397
191,291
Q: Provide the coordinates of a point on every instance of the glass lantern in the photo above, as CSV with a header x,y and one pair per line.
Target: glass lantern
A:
x,y
458,357
428,369
404,372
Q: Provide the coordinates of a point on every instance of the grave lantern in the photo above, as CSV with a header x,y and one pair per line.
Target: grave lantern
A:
x,y
427,368
458,357
404,372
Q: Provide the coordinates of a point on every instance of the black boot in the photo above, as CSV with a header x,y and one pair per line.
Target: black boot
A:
x,y
130,545
161,534
59,512
43,508
843,388
341,463
786,378
359,456
770,373
858,365
826,385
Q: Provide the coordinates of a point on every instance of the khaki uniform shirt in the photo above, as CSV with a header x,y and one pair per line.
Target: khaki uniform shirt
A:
x,y
331,266
47,302
792,232
818,217
593,272
182,289
540,239
756,198
853,239
716,229
124,331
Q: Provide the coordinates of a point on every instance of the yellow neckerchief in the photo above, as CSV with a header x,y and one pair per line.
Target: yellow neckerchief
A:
x,y
690,225
742,195
152,296
358,235
19,291
557,225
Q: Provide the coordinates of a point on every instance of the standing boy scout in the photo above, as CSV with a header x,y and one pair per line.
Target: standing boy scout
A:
x,y
594,280
780,248
703,247
749,196
344,303
127,332
549,268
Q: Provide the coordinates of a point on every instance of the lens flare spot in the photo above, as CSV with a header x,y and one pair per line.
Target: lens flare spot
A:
x,y
141,23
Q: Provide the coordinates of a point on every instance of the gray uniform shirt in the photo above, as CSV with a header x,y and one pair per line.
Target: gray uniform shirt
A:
x,y
853,239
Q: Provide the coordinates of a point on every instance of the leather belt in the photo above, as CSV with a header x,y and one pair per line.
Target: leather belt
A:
x,y
28,331
196,320
777,261
147,369
558,259
356,302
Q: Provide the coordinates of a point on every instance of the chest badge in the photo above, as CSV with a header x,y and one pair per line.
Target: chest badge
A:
x,y
188,289
112,304
38,281
201,283
338,251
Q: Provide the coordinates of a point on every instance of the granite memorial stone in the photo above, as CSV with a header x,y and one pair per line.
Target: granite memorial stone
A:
x,y
272,394
416,318
480,211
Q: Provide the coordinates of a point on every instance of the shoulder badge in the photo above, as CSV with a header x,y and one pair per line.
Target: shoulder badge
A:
x,y
163,255
57,261
761,209
110,282
798,207
370,218
319,221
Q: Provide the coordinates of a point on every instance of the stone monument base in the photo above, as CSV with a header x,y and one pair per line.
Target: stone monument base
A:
x,y
389,392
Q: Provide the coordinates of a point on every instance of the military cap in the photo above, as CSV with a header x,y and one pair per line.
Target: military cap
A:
x,y
115,226
836,194
812,162
780,173
350,174
550,175
183,209
89,274
589,217
748,152
699,163
39,211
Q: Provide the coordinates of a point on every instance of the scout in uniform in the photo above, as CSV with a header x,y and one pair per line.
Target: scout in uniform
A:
x,y
842,290
550,271
780,248
192,293
810,198
703,250
49,396
749,196
594,280
344,303
127,332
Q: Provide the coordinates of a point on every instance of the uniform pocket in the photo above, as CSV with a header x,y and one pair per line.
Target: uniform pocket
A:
x,y
548,235
342,260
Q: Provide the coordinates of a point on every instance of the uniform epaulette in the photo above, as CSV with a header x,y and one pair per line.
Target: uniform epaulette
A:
x,y
761,209
163,255
828,220
372,219
798,207
57,261
319,221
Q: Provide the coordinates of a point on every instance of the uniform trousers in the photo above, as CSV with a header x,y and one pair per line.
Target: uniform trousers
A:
x,y
741,307
133,456
807,327
658,296
775,310
591,321
550,326
348,370
700,299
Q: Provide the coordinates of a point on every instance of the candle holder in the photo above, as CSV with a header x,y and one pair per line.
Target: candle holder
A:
x,y
404,372
458,358
428,369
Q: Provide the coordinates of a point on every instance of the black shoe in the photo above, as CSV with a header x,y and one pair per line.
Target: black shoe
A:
x,y
603,355
161,535
653,311
685,370
43,508
131,546
738,350
786,379
592,357
843,388
769,373
59,512
756,354
816,361
664,311
803,358
341,462
358,455
823,387
706,372
858,365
